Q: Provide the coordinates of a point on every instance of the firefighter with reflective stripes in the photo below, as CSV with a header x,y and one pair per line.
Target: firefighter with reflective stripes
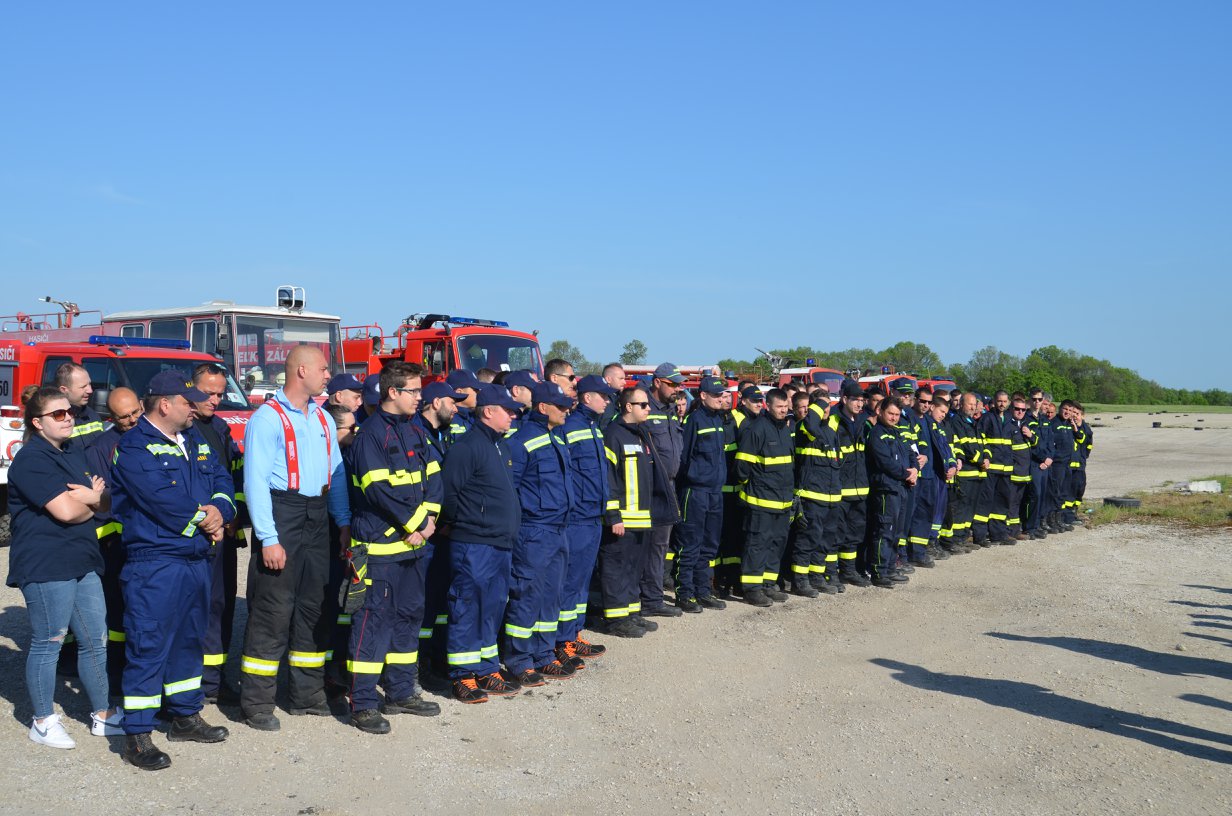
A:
x,y
1084,441
819,489
850,520
663,425
638,498
765,471
1020,478
541,552
1061,485
909,433
588,469
74,382
395,499
482,511
173,498
211,380
945,467
919,532
1035,496
891,470
125,409
294,482
968,447
699,486
731,541
994,503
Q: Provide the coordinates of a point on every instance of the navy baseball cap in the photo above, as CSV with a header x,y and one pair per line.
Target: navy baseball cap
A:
x,y
851,388
550,393
343,382
492,394
753,394
713,386
372,389
593,383
437,390
669,371
461,378
520,378
903,385
174,383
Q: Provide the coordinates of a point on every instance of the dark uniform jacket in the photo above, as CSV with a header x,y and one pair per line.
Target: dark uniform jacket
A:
x,y
639,489
664,428
888,460
854,473
396,486
587,465
819,462
765,465
481,500
703,459
541,471
157,489
998,432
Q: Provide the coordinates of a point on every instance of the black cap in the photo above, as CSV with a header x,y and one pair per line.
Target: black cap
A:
x,y
851,388
753,394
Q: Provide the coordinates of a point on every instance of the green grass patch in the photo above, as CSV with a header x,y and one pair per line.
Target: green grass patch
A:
x,y
1092,407
1202,510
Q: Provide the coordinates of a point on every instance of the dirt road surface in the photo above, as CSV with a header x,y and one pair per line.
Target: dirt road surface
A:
x,y
1090,673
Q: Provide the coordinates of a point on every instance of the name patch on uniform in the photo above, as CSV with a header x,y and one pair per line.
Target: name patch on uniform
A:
x,y
632,449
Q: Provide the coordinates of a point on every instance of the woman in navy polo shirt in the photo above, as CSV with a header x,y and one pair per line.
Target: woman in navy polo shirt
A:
x,y
55,560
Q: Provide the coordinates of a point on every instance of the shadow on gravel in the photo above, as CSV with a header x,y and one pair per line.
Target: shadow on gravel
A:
x,y
1224,590
1041,702
1201,605
1162,662
1202,699
1211,638
1200,616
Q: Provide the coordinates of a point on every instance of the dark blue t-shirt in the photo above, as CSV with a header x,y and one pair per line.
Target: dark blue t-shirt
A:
x,y
44,549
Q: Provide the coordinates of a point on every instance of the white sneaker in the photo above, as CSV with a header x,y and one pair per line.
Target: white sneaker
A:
x,y
113,726
51,733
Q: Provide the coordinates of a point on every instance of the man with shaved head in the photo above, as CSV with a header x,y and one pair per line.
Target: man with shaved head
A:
x,y
294,480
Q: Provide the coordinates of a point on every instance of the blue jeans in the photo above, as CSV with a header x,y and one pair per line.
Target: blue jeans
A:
x,y
54,606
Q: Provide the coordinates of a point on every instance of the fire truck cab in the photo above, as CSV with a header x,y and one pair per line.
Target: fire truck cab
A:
x,y
888,382
441,343
940,385
831,379
111,362
252,342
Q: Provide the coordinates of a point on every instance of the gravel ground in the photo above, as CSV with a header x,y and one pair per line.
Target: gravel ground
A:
x,y
1088,673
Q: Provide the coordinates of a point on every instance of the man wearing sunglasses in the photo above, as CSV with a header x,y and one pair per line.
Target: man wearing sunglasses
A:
x,y
560,372
922,534
1035,494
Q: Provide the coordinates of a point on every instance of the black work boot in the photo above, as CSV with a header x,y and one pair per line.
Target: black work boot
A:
x,y
194,729
370,721
775,594
850,576
756,596
800,585
411,705
140,751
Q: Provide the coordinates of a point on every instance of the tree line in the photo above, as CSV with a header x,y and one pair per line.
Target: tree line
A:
x,y
1065,373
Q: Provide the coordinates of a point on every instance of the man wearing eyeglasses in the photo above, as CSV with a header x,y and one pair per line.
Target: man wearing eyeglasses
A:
x,y
211,380
663,425
993,503
1020,478
921,534
396,494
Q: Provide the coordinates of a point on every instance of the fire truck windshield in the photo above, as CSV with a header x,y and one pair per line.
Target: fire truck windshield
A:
x,y
263,343
832,382
138,371
500,352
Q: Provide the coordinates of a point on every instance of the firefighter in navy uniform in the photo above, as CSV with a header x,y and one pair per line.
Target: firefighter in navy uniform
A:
x,y
1084,441
891,470
467,384
731,541
663,424
211,380
1060,488
995,497
1035,496
541,552
393,517
699,487
968,447
919,532
484,514
765,471
588,468
819,489
851,516
173,499
909,433
1020,479
945,468
437,407
639,497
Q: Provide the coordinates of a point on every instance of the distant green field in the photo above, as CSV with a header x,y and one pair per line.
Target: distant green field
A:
x,y
1154,409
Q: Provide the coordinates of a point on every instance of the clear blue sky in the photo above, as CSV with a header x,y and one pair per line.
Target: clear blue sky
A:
x,y
705,176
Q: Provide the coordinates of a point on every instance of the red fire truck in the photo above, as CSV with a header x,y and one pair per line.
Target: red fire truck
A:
x,y
440,343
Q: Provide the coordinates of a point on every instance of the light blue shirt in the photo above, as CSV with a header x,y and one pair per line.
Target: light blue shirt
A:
x,y
265,464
